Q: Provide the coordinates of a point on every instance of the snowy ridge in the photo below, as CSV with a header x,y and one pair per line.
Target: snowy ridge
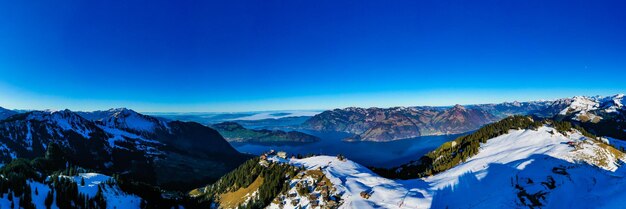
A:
x,y
614,103
350,179
65,119
129,119
539,168
31,131
590,108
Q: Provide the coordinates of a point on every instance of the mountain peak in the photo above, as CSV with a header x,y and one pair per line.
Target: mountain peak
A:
x,y
129,119
119,109
124,118
458,107
594,108
66,119
122,112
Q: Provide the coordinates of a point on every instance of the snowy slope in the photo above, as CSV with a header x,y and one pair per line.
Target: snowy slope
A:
x,y
65,119
592,108
566,171
114,196
488,178
123,118
350,179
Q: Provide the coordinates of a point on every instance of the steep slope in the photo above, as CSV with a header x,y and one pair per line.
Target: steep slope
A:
x,y
28,135
377,124
121,140
542,168
254,184
233,132
605,116
528,168
594,109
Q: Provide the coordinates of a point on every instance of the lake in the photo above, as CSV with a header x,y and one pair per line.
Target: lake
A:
x,y
378,154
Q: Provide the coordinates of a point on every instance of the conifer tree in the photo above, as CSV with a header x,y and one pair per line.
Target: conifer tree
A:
x,y
49,199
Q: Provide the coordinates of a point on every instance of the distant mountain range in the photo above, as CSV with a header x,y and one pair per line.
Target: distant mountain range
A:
x,y
379,124
233,132
604,116
388,124
171,154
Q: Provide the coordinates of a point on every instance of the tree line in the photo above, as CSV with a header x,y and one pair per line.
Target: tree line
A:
x,y
275,176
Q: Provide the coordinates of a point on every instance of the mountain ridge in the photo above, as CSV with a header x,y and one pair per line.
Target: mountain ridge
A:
x,y
388,124
378,124
114,144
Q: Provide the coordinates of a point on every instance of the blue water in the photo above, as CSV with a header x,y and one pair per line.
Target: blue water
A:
x,y
378,154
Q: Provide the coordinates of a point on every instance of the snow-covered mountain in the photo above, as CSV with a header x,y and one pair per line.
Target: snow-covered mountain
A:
x,y
386,124
126,119
594,109
544,109
121,140
526,168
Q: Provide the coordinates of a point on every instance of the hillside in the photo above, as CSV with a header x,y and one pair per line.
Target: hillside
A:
x,y
233,132
604,116
378,124
520,163
121,140
525,168
52,182
254,184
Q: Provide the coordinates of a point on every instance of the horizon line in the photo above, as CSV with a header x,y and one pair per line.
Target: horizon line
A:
x,y
306,109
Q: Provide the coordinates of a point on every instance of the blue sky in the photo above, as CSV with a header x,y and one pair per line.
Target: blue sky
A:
x,y
276,55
